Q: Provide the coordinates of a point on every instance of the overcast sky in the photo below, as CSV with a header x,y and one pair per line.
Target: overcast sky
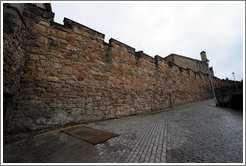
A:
x,y
161,28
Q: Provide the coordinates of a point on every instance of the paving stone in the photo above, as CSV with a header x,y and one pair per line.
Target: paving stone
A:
x,y
197,133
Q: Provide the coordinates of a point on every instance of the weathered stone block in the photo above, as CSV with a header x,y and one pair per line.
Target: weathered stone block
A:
x,y
44,23
70,38
52,71
41,121
92,58
75,72
52,95
82,94
96,73
88,100
39,28
62,41
51,32
67,62
80,102
76,30
61,34
45,63
77,67
67,70
57,65
31,65
34,57
70,47
85,34
52,58
75,43
72,82
57,54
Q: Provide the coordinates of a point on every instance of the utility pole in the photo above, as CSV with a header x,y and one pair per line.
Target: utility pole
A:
x,y
215,100
234,79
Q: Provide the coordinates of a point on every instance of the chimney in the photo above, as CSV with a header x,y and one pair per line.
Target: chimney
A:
x,y
203,56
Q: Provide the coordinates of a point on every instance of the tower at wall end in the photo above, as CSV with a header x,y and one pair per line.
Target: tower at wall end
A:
x,y
203,56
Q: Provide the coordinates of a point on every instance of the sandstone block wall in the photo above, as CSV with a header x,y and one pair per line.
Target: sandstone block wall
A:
x,y
71,75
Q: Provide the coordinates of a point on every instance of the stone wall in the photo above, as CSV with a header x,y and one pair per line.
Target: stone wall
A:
x,y
72,76
14,37
14,49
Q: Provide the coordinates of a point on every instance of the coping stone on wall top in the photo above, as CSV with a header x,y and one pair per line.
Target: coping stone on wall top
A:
x,y
123,44
69,24
141,54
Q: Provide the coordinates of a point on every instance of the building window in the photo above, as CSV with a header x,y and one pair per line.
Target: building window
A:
x,y
198,65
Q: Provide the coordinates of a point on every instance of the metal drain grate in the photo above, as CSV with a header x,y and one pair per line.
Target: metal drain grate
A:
x,y
90,135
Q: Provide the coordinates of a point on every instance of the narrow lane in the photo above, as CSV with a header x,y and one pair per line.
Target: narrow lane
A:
x,y
197,133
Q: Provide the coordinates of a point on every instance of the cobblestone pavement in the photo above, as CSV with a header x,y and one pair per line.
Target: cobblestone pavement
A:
x,y
197,133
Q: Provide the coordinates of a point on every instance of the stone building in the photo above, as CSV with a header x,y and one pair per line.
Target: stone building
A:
x,y
56,75
190,63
